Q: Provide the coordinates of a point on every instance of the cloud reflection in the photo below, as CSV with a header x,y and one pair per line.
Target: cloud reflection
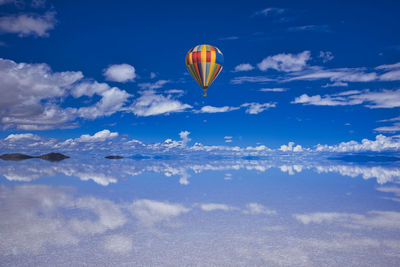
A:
x,y
105,172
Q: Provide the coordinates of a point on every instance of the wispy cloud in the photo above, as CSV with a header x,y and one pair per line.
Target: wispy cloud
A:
x,y
256,209
151,86
389,66
229,38
335,75
326,56
250,108
251,79
270,11
310,28
392,74
389,129
211,109
255,108
28,24
373,219
216,207
335,84
228,139
370,99
272,90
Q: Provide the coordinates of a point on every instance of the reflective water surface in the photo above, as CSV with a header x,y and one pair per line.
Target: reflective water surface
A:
x,y
282,211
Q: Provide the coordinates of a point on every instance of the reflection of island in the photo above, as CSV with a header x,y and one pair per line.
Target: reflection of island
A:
x,y
114,157
53,157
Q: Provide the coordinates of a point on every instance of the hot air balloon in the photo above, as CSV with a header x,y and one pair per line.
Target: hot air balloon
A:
x,y
204,63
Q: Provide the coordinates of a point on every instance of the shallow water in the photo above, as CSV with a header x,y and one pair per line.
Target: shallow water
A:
x,y
283,211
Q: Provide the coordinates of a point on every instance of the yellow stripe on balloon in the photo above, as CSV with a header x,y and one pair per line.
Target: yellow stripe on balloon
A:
x,y
190,58
212,64
203,53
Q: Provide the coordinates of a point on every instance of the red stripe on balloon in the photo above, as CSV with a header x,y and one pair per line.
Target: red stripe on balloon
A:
x,y
208,56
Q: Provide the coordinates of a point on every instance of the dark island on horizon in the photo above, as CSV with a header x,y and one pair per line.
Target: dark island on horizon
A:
x,y
114,157
53,157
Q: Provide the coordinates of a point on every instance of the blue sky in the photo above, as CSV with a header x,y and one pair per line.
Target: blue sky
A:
x,y
312,72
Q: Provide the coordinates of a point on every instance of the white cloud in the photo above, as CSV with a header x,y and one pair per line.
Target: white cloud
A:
x,y
34,94
391,76
175,91
152,75
228,38
291,147
393,73
256,209
255,108
251,79
228,139
335,84
89,88
211,109
40,222
270,11
26,88
150,104
372,220
151,86
216,206
389,66
291,169
118,243
326,56
310,28
120,73
111,101
19,137
151,212
392,119
327,100
382,174
377,99
184,135
244,67
390,129
272,90
390,189
395,127
335,75
381,143
28,24
97,137
251,108
285,62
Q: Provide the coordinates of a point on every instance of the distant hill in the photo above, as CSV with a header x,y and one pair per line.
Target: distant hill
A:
x,y
53,157
15,157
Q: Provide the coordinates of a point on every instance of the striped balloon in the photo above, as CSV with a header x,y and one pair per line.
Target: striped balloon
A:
x,y
204,62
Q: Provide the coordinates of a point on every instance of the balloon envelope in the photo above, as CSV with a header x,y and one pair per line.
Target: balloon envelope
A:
x,y
204,63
